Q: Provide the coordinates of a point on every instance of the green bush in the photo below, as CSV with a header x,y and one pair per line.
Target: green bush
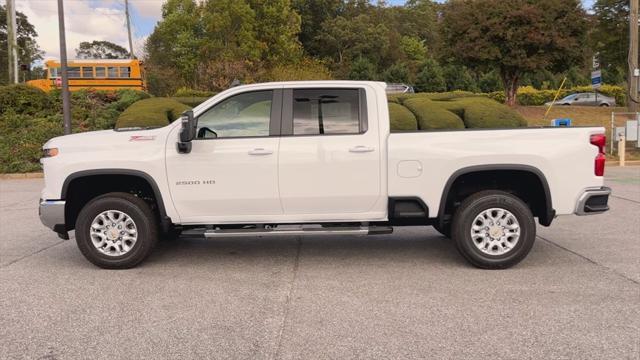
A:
x,y
401,118
152,112
186,92
22,99
21,140
190,101
481,112
432,116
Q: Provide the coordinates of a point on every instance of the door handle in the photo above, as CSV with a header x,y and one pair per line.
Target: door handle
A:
x,y
361,149
260,151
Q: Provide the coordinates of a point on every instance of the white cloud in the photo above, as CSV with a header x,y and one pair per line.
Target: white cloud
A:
x,y
84,21
148,8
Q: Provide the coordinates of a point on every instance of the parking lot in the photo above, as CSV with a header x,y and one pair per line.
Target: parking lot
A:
x,y
406,295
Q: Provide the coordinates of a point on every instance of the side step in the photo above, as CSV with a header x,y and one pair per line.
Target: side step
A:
x,y
297,230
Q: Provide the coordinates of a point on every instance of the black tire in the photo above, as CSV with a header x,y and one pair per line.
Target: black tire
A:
x,y
138,210
604,105
474,205
445,230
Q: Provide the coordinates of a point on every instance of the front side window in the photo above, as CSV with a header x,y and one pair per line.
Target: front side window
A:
x,y
54,72
101,71
113,72
243,115
74,72
326,111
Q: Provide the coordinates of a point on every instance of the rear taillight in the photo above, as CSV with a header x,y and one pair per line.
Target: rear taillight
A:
x,y
600,141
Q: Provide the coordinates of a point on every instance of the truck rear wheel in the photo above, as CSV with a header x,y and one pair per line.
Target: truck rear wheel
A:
x,y
116,231
493,229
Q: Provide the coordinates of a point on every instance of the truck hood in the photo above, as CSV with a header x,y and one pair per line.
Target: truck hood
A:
x,y
107,139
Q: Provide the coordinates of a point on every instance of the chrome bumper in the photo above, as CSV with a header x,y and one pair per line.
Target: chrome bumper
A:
x,y
52,214
593,201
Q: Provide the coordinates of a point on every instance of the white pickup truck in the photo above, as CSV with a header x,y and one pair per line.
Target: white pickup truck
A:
x,y
315,158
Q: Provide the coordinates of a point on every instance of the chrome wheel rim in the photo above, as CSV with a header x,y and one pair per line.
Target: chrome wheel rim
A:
x,y
113,233
495,231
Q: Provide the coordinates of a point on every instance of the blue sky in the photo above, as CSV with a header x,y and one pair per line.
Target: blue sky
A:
x,y
88,20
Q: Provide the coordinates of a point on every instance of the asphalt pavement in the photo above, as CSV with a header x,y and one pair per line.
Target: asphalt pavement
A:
x,y
408,295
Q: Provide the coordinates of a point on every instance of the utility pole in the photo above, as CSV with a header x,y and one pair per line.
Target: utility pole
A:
x,y
126,11
66,104
633,57
12,43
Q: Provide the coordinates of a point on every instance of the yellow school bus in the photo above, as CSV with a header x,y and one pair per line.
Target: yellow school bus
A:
x,y
99,74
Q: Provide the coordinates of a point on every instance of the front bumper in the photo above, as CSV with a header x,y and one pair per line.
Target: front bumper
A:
x,y
52,216
593,201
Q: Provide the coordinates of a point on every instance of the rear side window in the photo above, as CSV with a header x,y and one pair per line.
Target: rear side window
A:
x,y
101,72
326,111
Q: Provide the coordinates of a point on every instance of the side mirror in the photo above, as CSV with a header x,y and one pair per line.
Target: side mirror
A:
x,y
187,132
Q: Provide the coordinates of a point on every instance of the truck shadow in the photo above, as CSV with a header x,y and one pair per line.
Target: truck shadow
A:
x,y
406,245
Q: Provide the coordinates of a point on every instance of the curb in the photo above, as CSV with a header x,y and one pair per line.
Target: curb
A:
x,y
31,175
626,163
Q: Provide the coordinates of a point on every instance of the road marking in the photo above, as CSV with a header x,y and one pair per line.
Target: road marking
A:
x,y
285,315
589,260
33,253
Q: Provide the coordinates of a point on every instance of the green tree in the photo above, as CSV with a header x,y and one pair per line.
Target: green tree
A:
x,y
516,37
277,26
610,35
101,50
362,69
396,73
28,50
313,13
346,39
430,78
458,77
176,43
413,48
490,81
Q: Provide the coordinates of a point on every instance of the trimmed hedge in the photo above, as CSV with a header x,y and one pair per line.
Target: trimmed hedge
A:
x,y
480,112
21,140
192,101
432,116
152,112
186,92
23,99
401,118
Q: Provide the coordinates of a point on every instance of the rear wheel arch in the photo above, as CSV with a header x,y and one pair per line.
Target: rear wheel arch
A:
x,y
82,186
542,208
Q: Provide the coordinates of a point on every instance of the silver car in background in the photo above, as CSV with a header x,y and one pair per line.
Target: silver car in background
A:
x,y
399,89
585,99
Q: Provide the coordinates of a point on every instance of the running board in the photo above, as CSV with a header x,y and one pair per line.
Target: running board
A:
x,y
285,230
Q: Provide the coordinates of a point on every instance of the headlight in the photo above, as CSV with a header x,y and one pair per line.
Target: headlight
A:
x,y
51,152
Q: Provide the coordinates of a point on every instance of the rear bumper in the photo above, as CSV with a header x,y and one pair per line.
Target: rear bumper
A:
x,y
51,214
593,201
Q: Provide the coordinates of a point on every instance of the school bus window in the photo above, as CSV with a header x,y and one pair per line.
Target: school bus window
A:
x,y
53,72
100,72
113,72
125,72
87,72
74,72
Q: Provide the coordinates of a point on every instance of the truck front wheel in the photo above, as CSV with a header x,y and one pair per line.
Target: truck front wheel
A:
x,y
493,229
116,231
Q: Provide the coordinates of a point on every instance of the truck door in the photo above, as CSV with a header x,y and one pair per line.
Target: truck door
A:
x,y
329,160
231,172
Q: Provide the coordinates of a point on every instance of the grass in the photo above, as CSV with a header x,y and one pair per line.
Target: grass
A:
x,y
580,116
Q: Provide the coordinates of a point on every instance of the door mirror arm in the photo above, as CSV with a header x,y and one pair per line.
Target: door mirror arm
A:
x,y
187,132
